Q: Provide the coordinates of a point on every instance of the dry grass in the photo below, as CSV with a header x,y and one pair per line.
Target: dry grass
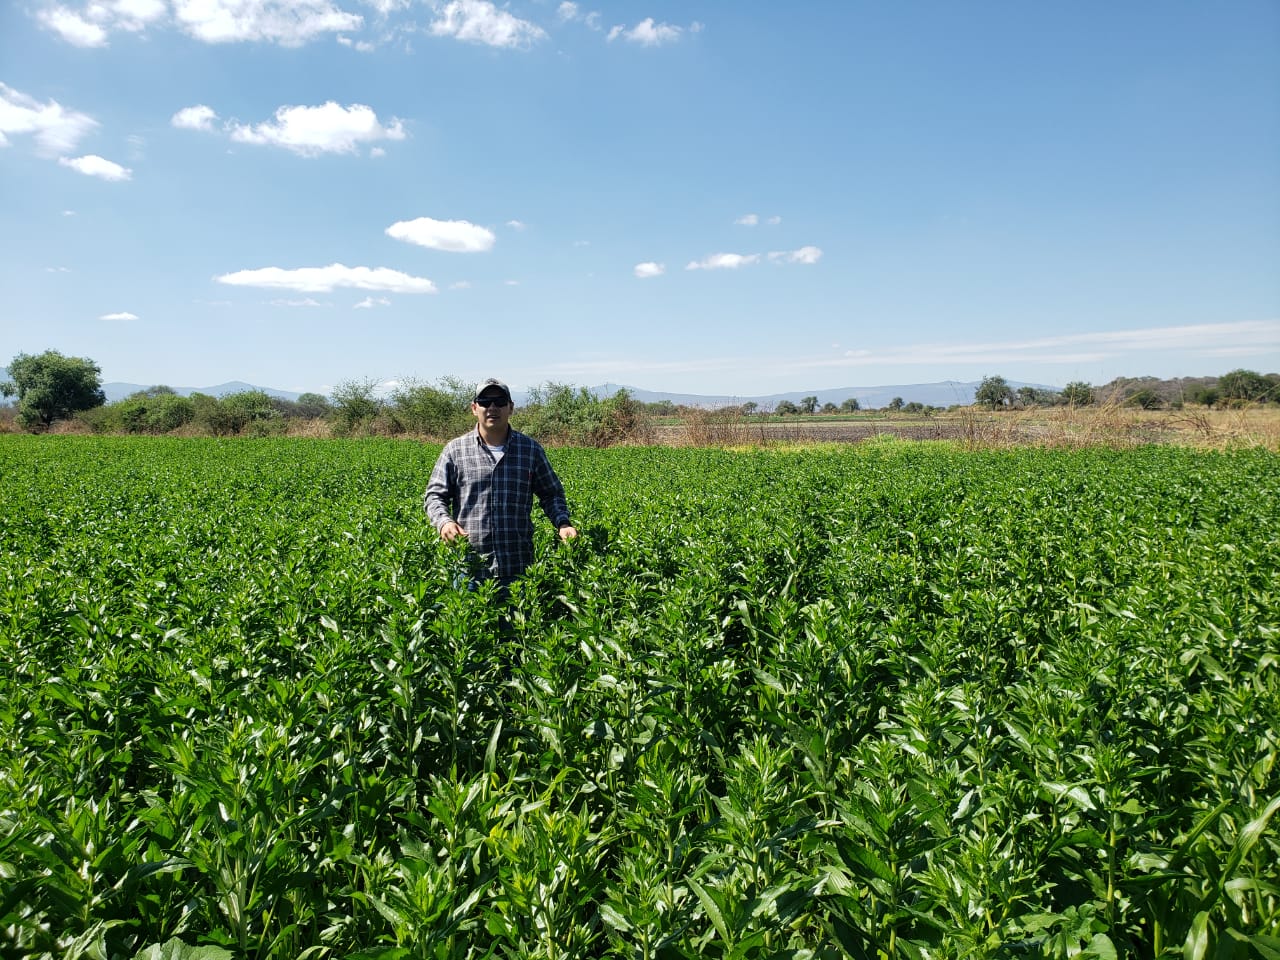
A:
x,y
1115,425
1105,425
720,428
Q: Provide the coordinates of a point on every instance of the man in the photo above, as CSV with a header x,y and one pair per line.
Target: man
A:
x,y
483,485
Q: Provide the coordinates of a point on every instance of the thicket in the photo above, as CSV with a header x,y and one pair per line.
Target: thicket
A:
x,y
555,413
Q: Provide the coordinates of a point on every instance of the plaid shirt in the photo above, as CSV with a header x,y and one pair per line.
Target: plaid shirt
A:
x,y
492,499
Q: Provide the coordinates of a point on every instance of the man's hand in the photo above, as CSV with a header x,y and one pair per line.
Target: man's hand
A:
x,y
451,531
567,532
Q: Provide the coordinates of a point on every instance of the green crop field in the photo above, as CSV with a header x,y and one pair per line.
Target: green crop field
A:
x,y
887,701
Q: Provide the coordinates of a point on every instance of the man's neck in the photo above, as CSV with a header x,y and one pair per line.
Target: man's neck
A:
x,y
492,439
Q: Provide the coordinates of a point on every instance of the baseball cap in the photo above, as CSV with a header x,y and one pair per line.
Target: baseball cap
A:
x,y
492,384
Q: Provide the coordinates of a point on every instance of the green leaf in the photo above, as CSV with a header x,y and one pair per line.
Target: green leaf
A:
x,y
1197,942
176,949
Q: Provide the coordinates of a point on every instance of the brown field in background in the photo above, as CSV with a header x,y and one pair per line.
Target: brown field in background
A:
x,y
1114,426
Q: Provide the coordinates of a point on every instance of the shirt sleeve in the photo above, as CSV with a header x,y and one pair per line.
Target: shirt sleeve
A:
x,y
549,490
438,498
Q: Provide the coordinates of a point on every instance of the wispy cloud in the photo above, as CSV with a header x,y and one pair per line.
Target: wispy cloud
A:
x,y
328,128
479,21
54,128
361,46
803,255
650,269
93,165
1235,340
368,303
289,23
119,316
1227,339
304,302
747,220
516,224
455,236
648,33
326,279
724,261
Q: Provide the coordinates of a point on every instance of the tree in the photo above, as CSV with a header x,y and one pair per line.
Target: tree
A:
x,y
896,403
1205,396
850,405
439,411
750,407
993,392
1146,398
1243,385
52,387
829,408
312,405
355,402
786,407
1077,393
808,404
248,407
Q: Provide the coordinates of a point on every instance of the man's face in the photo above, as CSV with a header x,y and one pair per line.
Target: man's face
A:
x,y
495,416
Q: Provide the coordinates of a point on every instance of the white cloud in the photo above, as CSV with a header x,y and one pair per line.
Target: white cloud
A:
x,y
57,269
516,224
93,165
650,34
368,303
311,131
289,23
326,279
511,283
119,316
803,255
1243,338
582,243
567,11
387,7
55,128
198,117
724,261
454,236
649,269
304,302
361,46
747,220
774,221
68,213
479,21
460,285
73,28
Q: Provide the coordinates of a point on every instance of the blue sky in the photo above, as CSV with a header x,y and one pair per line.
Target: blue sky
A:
x,y
702,197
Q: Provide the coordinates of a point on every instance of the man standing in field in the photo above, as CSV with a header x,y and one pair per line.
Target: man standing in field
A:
x,y
483,484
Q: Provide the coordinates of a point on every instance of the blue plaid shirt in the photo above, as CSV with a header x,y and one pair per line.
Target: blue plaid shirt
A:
x,y
492,499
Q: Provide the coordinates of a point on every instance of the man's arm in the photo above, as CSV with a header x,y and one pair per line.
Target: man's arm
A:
x,y
439,497
550,493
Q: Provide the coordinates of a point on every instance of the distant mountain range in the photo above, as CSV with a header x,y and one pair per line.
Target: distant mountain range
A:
x,y
942,394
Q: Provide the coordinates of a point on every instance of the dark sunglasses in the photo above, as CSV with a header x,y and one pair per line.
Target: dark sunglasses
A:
x,y
488,402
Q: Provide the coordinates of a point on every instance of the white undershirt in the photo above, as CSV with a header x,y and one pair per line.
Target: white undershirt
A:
x,y
497,451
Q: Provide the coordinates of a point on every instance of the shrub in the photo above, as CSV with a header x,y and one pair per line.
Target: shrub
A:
x,y
439,410
558,413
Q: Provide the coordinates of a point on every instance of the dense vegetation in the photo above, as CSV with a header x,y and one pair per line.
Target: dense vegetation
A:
x,y
895,701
